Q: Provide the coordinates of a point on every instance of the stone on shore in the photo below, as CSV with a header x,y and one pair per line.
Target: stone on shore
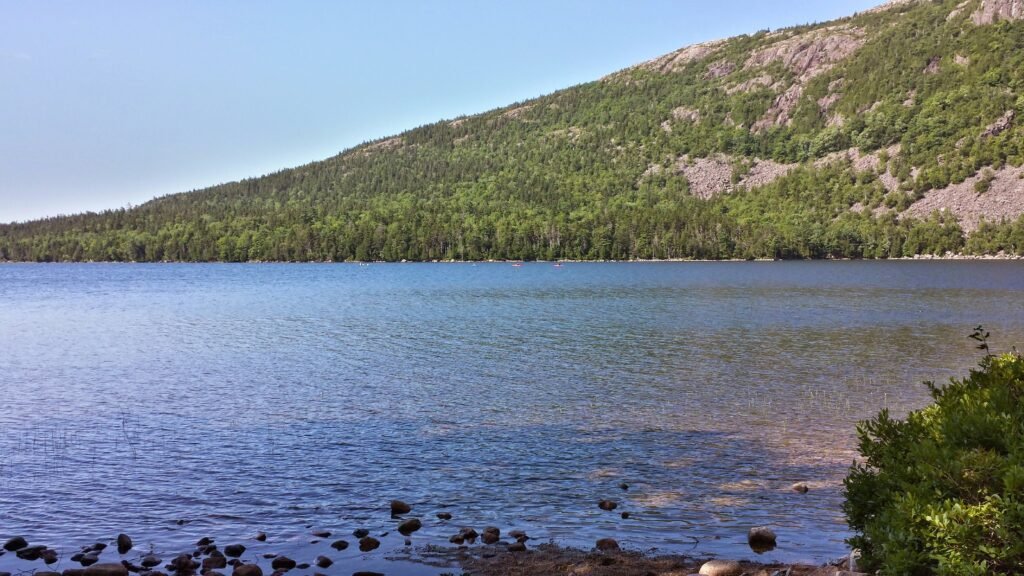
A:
x,y
399,507
150,561
124,543
261,537
16,543
183,563
247,570
49,557
108,569
607,545
323,562
517,547
469,534
409,526
204,541
89,559
368,543
721,568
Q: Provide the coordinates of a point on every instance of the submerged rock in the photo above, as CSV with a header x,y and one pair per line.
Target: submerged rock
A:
x,y
409,526
150,561
16,543
339,545
49,557
491,535
282,563
323,562
89,559
801,487
322,533
361,533
721,568
607,505
31,553
444,516
761,539
399,507
124,543
624,486
247,570
368,543
234,550
261,537
109,569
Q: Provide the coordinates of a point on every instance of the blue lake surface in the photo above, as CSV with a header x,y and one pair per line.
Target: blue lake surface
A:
x,y
176,401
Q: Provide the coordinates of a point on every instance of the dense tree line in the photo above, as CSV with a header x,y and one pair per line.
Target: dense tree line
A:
x,y
569,175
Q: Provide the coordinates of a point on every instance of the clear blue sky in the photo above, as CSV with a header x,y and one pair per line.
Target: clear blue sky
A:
x,y
105,103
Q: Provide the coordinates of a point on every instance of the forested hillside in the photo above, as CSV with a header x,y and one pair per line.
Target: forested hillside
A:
x,y
889,133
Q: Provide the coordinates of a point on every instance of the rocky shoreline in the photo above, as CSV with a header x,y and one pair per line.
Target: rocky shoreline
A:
x,y
487,552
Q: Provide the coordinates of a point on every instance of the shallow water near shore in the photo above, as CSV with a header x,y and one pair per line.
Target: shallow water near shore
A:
x,y
174,401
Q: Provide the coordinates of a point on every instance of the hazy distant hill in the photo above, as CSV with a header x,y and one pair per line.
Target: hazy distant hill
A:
x,y
888,133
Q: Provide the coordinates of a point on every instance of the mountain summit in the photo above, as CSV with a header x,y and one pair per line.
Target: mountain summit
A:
x,y
889,133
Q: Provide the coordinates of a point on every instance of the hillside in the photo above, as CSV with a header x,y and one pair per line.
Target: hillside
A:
x,y
889,133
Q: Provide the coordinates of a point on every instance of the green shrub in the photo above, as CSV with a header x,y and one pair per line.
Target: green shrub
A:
x,y
942,492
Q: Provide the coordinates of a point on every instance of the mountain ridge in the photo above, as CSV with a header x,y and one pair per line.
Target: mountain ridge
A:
x,y
891,132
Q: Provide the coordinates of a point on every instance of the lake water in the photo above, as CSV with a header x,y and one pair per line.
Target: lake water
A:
x,y
176,401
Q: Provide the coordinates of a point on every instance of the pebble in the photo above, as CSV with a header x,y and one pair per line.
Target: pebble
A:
x,y
15,543
124,543
607,505
247,570
721,568
409,526
399,507
323,562
339,544
607,545
282,563
368,543
234,550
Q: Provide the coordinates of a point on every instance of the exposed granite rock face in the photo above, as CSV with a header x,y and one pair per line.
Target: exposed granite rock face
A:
x,y
675,61
708,177
1004,199
992,11
807,56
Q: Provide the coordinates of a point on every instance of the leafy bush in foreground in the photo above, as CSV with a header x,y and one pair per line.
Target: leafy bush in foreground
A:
x,y
942,492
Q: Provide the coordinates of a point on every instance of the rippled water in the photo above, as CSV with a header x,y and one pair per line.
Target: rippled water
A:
x,y
239,398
